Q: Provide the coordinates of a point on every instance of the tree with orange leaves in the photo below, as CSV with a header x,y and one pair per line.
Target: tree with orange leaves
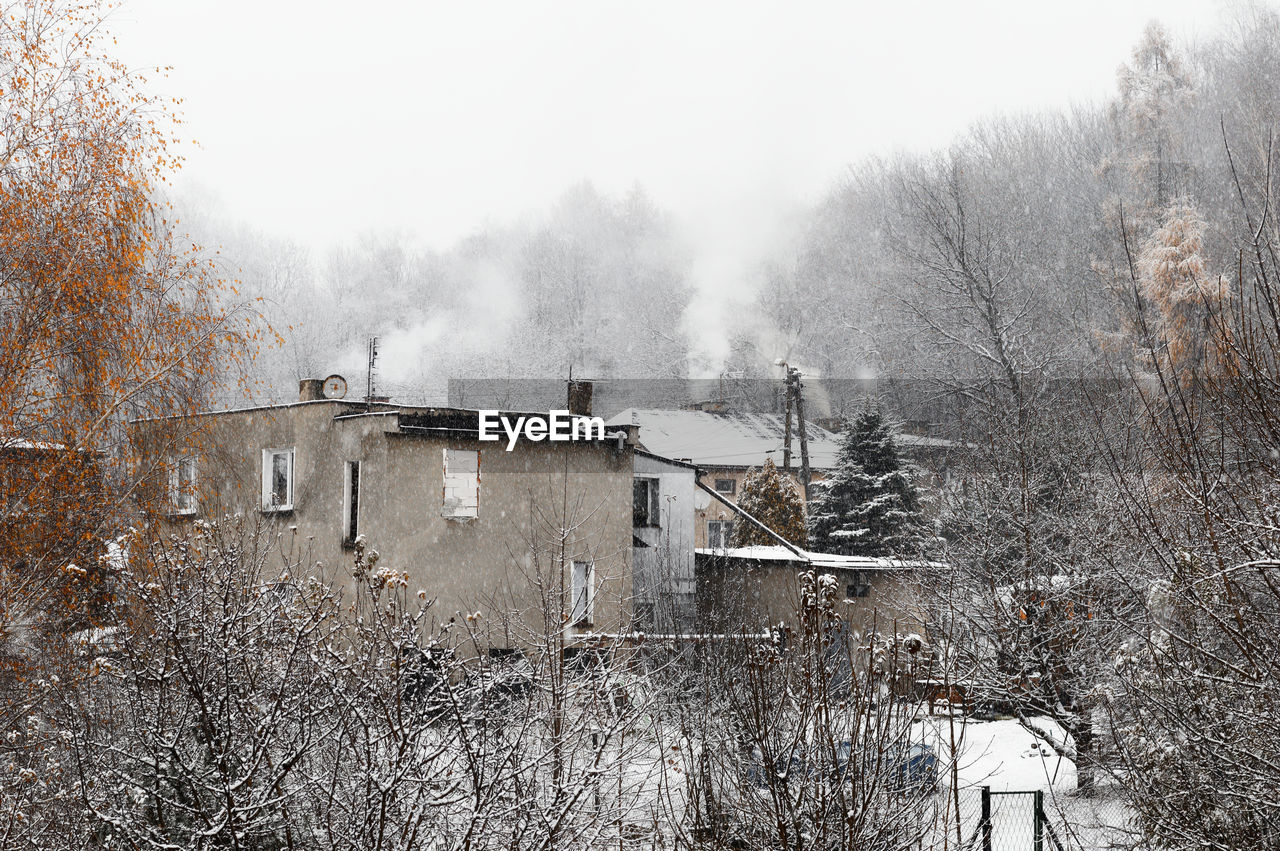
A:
x,y
106,313
1186,299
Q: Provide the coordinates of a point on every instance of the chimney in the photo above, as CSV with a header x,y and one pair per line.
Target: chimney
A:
x,y
310,389
580,398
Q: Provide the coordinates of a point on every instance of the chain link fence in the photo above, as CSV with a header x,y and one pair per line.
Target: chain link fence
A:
x,y
982,819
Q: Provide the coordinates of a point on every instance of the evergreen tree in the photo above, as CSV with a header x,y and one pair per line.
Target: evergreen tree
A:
x,y
774,500
870,506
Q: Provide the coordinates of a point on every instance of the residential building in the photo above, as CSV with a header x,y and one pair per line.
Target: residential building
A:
x,y
509,533
759,586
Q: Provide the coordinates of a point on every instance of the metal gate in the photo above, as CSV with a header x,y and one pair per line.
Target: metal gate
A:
x,y
1014,821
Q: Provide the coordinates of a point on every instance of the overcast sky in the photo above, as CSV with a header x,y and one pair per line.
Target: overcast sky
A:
x,y
318,121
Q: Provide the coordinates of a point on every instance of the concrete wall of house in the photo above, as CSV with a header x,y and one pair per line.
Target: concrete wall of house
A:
x,y
664,575
713,510
511,558
733,594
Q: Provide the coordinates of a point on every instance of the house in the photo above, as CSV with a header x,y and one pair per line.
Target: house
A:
x,y
725,445
759,586
516,524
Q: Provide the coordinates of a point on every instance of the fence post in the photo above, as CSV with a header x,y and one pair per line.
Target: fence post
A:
x,y
985,824
1039,821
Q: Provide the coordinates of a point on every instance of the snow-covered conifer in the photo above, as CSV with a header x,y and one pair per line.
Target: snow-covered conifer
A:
x,y
870,505
774,500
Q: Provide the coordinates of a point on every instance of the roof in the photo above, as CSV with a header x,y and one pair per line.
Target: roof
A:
x,y
725,439
733,439
351,409
413,418
22,445
672,461
829,561
36,445
251,408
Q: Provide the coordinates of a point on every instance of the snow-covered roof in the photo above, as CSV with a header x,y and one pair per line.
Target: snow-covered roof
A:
x,y
710,439
725,439
811,559
663,459
19,444
22,443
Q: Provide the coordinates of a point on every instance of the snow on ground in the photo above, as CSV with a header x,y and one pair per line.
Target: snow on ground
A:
x,y
1007,757
1001,754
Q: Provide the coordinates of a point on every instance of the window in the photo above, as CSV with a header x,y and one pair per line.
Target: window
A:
x,y
644,503
861,585
719,533
350,502
727,486
583,594
461,484
182,485
277,480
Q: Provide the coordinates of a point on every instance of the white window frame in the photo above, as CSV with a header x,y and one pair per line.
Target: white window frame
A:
x,y
582,593
460,494
269,501
724,533
733,486
348,515
182,495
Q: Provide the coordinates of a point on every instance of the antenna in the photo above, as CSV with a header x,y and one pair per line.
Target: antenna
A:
x,y
373,359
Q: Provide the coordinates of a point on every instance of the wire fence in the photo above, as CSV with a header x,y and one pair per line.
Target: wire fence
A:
x,y
982,819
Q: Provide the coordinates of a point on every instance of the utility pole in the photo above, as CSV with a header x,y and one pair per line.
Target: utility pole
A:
x,y
804,435
786,426
368,378
795,396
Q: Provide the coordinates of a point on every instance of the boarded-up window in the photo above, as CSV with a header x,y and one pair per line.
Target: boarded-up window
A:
x,y
461,484
583,594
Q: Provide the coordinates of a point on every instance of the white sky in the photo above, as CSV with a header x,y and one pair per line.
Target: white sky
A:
x,y
320,121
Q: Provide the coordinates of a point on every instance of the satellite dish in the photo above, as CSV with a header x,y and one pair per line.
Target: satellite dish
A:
x,y
335,387
701,499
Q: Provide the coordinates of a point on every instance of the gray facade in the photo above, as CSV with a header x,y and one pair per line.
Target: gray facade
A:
x,y
663,558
